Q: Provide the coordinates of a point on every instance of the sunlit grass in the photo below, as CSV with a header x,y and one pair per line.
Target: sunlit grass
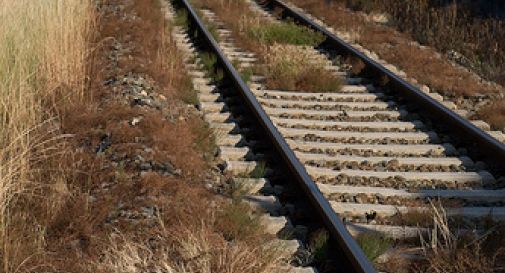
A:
x,y
43,47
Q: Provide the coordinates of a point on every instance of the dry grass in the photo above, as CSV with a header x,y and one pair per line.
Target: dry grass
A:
x,y
287,65
95,232
494,114
395,47
238,18
448,251
423,65
414,217
236,222
283,33
43,50
450,27
291,68
395,264
189,249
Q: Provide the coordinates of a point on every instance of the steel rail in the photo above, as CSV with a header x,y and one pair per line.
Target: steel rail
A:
x,y
355,259
485,146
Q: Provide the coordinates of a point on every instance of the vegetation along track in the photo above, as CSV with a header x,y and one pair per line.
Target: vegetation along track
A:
x,y
374,152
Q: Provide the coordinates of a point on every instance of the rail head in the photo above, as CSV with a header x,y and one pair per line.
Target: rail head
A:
x,y
355,257
486,145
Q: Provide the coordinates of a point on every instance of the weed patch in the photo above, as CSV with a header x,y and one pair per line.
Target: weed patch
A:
x,y
187,93
235,222
451,252
209,61
181,19
259,171
373,245
205,141
291,68
246,74
212,28
397,48
284,33
318,246
414,218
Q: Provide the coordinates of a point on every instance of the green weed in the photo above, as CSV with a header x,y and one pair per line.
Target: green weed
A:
x,y
209,61
205,140
246,74
212,28
181,18
318,245
188,94
259,171
285,33
236,222
373,245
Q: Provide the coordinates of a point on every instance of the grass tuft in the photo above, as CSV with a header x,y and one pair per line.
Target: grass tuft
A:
x,y
494,114
246,74
212,28
450,252
373,245
235,222
181,18
187,93
188,249
209,61
318,246
259,171
291,68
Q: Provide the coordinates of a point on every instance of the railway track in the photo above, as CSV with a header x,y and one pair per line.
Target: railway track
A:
x,y
362,159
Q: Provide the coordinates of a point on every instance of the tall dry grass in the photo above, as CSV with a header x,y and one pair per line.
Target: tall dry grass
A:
x,y
452,251
43,47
